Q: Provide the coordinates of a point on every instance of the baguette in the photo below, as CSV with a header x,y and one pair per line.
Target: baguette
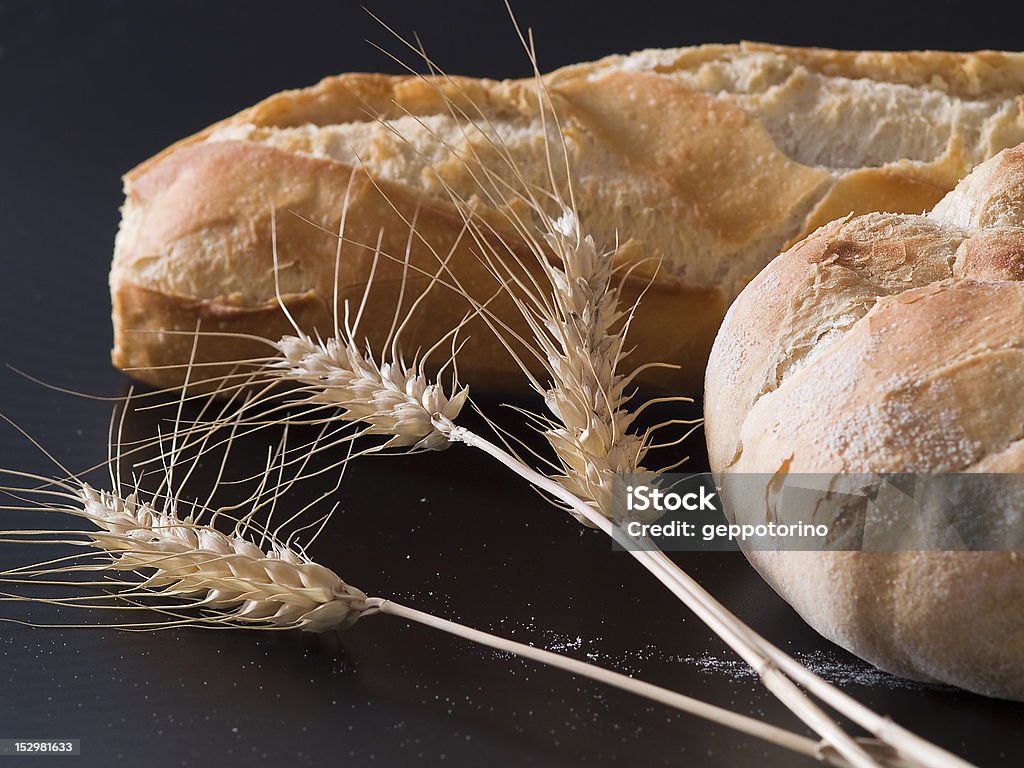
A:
x,y
702,163
892,344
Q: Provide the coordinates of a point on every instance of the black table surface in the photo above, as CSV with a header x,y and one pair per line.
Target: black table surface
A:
x,y
88,89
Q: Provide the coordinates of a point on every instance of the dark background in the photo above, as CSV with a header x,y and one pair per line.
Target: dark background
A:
x,y
87,90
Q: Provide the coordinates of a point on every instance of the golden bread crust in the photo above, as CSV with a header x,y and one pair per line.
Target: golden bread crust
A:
x,y
689,158
892,344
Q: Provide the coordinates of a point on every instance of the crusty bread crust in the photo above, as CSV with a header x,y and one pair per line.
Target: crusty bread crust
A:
x,y
692,158
891,343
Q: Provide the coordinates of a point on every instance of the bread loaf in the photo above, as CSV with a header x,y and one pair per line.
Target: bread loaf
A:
x,y
710,159
892,344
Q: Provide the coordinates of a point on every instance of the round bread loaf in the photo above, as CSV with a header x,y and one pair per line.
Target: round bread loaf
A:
x,y
891,343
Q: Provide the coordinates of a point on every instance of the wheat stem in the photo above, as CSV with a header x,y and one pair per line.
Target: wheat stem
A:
x,y
885,729
765,659
725,717
904,741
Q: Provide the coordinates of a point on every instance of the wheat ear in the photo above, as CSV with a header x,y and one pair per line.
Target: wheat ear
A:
x,y
339,380
572,309
390,398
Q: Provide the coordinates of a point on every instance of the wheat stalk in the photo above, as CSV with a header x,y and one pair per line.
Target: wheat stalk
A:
x,y
156,552
234,583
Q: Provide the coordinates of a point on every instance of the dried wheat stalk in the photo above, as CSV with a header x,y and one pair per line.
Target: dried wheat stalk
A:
x,y
228,581
159,553
573,310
